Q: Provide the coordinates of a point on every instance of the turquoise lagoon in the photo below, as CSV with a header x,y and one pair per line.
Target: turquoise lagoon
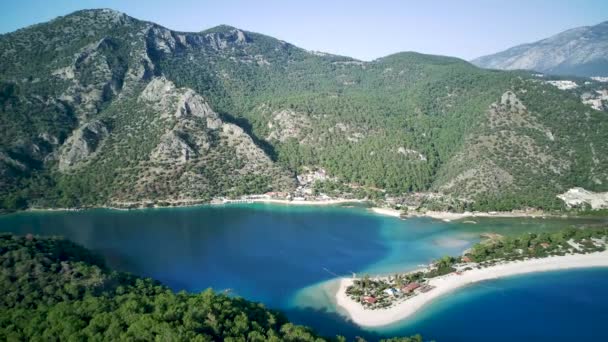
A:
x,y
287,256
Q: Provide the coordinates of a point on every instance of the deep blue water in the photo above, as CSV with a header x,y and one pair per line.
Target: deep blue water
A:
x,y
264,254
554,306
285,256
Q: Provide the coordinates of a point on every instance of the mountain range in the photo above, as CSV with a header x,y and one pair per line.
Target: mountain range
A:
x,y
582,51
99,108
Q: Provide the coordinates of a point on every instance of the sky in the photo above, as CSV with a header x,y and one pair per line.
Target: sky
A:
x,y
361,29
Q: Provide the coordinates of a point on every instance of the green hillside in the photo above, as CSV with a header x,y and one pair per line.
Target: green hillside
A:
x,y
55,290
99,108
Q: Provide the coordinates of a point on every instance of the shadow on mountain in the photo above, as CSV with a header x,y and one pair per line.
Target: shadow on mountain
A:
x,y
248,128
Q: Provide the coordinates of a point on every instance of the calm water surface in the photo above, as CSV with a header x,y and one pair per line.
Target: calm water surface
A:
x,y
286,257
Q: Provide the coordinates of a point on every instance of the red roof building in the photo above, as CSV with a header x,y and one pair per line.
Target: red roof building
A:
x,y
410,287
369,299
466,259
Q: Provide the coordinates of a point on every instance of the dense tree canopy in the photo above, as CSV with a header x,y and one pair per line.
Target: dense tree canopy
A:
x,y
53,289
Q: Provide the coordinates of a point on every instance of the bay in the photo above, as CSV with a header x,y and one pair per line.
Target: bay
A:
x,y
287,256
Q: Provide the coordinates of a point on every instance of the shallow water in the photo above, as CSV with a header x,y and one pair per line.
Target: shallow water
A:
x,y
283,256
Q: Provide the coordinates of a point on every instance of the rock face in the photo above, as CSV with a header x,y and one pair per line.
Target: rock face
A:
x,y
163,95
177,107
92,77
228,35
411,153
597,99
580,51
245,148
157,90
286,124
193,125
578,197
103,107
82,145
173,148
191,104
194,137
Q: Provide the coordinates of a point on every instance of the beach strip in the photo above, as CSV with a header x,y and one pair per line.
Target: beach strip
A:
x,y
386,211
448,283
298,202
450,216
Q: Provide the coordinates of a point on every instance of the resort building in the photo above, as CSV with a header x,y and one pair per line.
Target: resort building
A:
x,y
409,288
370,299
391,292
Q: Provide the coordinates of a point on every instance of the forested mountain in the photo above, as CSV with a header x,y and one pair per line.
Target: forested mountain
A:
x,y
100,108
581,51
55,290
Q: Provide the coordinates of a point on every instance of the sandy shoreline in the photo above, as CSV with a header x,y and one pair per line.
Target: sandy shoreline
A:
x,y
448,283
449,216
303,202
386,211
438,215
195,203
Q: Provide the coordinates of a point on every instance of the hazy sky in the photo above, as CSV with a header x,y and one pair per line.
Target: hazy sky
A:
x,y
360,29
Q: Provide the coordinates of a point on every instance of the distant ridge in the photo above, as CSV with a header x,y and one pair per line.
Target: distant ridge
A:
x,y
581,51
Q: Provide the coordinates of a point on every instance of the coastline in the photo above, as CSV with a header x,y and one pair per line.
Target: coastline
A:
x,y
451,282
301,202
126,206
447,216
386,211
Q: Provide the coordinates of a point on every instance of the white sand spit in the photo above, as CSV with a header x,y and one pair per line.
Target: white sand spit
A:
x,y
386,211
308,202
448,283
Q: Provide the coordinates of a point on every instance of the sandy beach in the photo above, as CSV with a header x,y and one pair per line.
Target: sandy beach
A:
x,y
307,202
191,202
449,216
169,203
386,211
448,283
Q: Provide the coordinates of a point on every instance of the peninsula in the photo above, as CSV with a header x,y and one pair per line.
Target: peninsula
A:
x,y
380,301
